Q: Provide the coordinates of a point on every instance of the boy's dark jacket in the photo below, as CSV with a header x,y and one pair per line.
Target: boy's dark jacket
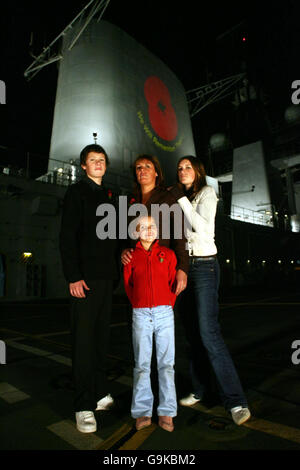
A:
x,y
149,277
83,254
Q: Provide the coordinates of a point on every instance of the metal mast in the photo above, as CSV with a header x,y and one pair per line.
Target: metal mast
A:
x,y
199,98
50,54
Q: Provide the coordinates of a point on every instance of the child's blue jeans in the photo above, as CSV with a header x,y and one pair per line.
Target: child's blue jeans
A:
x,y
160,322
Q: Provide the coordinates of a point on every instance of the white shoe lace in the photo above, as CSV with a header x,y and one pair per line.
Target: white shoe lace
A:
x,y
87,415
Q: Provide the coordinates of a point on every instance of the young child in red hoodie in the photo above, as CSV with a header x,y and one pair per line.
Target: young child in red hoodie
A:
x,y
149,283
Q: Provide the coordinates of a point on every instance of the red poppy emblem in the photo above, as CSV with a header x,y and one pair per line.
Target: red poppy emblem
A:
x,y
160,110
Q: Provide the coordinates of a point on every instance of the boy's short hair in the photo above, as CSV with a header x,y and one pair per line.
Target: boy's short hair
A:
x,y
92,148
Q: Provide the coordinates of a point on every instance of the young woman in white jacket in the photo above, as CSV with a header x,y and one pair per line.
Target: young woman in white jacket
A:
x,y
199,302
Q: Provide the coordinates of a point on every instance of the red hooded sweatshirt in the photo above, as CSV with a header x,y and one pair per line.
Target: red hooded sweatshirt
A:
x,y
150,276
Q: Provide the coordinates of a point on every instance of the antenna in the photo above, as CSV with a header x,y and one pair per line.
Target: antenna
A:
x,y
48,56
199,98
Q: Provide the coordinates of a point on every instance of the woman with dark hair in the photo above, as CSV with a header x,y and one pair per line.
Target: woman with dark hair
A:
x,y
199,301
159,177
150,190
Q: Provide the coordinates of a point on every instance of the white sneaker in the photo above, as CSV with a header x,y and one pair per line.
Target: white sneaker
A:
x,y
105,403
190,400
240,415
85,421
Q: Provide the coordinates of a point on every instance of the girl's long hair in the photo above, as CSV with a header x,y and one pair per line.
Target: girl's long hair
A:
x,y
200,175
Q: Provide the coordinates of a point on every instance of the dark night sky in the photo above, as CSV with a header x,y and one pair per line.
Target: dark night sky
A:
x,y
182,34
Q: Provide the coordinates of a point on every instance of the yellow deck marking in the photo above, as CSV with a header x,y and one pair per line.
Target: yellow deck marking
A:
x,y
56,333
37,337
257,424
67,431
138,438
11,394
274,429
116,436
56,343
258,304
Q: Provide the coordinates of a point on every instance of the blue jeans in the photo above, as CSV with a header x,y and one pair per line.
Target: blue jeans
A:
x,y
200,309
160,322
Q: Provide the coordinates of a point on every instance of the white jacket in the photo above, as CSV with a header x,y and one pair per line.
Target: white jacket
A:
x,y
200,213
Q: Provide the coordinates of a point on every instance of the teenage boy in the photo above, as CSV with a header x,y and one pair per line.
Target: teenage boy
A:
x,y
90,267
149,281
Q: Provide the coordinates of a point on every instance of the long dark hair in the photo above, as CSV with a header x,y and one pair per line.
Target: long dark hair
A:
x,y
200,175
159,179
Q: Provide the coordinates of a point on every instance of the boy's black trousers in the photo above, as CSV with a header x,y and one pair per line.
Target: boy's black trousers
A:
x,y
90,331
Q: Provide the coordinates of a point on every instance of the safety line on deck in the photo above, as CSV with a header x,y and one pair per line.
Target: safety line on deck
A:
x,y
11,394
116,437
274,429
127,437
40,352
258,304
55,343
138,438
36,337
56,333
67,332
123,379
261,425
66,430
